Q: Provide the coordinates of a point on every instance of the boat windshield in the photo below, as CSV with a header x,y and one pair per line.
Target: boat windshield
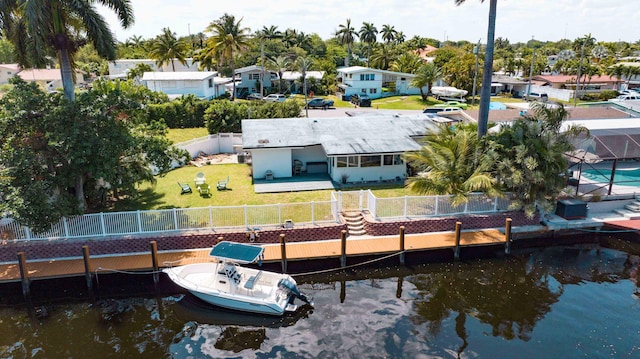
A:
x,y
236,252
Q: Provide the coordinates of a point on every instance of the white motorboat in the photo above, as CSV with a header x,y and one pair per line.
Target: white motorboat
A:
x,y
449,93
227,284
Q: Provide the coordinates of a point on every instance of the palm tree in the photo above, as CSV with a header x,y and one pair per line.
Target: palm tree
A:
x,y
382,57
408,62
400,37
426,75
303,64
616,71
228,39
487,71
346,35
279,64
388,33
289,38
368,34
267,33
449,163
37,28
166,48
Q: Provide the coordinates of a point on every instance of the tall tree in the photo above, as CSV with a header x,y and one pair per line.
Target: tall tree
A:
x,y
426,75
485,92
450,162
368,34
228,38
388,33
267,33
303,64
346,35
38,28
280,65
166,48
408,62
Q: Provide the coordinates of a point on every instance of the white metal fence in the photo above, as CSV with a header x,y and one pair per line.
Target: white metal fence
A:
x,y
186,219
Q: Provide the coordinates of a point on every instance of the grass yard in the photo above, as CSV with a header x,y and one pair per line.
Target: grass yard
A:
x,y
166,192
178,135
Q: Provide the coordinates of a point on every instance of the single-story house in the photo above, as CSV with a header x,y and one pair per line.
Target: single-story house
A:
x,y
427,53
503,83
250,80
7,71
364,80
354,149
597,82
49,79
205,85
119,68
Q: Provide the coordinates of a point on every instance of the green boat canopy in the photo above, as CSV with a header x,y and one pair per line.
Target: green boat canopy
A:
x,y
236,252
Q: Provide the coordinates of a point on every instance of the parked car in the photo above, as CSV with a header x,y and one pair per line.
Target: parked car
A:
x,y
440,109
362,100
627,97
275,97
254,96
534,96
458,104
319,103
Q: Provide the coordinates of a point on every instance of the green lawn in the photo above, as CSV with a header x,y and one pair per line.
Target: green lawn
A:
x,y
178,135
166,192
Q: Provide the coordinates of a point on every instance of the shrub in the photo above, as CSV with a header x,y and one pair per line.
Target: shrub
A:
x,y
226,116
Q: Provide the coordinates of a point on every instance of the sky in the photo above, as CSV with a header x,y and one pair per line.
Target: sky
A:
x,y
517,20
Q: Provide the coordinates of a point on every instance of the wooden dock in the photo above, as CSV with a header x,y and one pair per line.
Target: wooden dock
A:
x,y
371,246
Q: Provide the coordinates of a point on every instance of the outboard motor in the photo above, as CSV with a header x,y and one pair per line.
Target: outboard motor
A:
x,y
292,289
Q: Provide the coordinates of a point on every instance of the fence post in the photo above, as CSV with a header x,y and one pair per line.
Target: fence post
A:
x,y
283,252
87,268
339,201
27,233
246,217
343,248
406,204
313,212
466,207
437,201
102,225
154,261
456,253
65,225
175,219
402,245
139,216
279,214
507,236
360,200
495,204
24,276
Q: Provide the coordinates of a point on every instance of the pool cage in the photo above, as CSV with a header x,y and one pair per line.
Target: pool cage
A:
x,y
606,158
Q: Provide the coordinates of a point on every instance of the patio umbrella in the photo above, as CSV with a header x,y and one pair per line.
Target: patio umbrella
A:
x,y
580,155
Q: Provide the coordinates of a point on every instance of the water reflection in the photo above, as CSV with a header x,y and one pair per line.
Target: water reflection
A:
x,y
535,303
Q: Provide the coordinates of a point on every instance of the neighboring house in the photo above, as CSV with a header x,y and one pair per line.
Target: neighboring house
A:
x,y
563,87
119,68
205,85
426,54
354,149
7,71
49,79
503,83
363,80
291,79
250,80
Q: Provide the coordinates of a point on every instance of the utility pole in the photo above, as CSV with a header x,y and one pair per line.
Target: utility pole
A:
x,y
575,94
476,51
533,56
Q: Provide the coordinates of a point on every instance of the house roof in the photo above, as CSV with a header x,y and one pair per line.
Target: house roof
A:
x,y
338,136
294,75
40,74
252,68
424,53
507,80
357,69
180,75
575,113
15,67
562,79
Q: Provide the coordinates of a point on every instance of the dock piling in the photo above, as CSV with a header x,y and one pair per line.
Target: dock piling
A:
x,y
402,245
507,236
343,248
283,252
456,253
87,268
24,276
154,261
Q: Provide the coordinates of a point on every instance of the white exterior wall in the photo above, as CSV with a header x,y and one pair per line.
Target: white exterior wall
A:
x,y
360,174
183,87
245,81
277,160
213,144
6,73
120,67
356,85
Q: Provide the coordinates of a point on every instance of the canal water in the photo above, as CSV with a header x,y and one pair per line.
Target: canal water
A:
x,y
578,301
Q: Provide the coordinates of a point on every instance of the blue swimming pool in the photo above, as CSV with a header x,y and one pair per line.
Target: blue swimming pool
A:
x,y
624,177
497,106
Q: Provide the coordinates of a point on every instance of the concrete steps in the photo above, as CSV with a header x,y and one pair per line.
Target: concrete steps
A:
x,y
355,223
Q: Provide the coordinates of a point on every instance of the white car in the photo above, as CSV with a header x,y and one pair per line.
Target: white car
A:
x,y
274,97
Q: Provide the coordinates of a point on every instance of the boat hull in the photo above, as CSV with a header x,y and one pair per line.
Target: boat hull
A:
x,y
251,290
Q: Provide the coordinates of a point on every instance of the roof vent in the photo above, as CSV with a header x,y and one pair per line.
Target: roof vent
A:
x,y
263,141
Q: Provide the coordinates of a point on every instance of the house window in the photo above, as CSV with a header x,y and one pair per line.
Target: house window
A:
x,y
397,160
342,161
362,77
254,76
210,82
353,161
347,161
387,160
373,77
373,90
370,161
363,91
